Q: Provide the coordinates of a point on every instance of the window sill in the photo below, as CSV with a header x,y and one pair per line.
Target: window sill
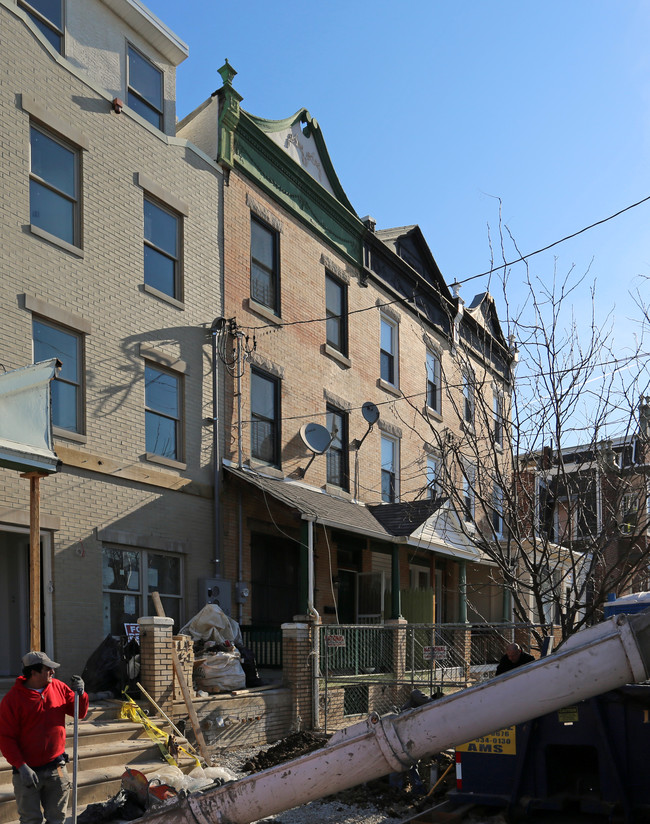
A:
x,y
337,491
432,413
156,293
159,459
267,469
339,357
389,387
77,251
263,311
65,434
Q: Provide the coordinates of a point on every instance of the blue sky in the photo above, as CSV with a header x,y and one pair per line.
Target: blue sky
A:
x,y
433,110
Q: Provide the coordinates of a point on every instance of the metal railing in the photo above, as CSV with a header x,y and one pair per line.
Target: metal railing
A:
x,y
365,668
265,643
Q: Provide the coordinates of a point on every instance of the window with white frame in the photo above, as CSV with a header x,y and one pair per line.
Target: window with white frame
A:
x,y
265,417
54,186
336,312
432,476
469,493
389,351
389,469
145,88
497,411
469,401
162,245
433,381
337,453
48,17
129,576
629,513
419,577
265,265
163,392
53,341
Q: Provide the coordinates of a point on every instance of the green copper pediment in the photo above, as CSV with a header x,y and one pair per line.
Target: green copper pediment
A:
x,y
300,137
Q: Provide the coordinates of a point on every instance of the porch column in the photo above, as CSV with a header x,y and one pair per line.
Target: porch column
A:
x,y
296,672
156,665
507,605
462,592
34,558
395,605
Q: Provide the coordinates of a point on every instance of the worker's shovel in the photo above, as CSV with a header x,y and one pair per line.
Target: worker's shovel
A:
x,y
75,748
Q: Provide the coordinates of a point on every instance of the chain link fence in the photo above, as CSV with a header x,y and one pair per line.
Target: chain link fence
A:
x,y
374,668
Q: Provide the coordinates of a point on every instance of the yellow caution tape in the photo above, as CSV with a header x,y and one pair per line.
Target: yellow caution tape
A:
x,y
130,711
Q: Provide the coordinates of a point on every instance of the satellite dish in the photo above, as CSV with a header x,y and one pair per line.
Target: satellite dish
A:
x,y
370,412
316,437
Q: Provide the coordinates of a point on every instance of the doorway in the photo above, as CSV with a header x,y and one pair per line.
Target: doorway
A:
x,y
14,598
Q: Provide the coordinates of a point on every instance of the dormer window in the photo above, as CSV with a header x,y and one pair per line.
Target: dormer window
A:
x,y
145,88
48,16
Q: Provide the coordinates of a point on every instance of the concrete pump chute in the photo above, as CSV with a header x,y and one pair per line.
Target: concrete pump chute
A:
x,y
593,661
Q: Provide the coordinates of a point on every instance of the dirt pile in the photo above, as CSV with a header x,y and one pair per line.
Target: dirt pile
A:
x,y
293,746
397,795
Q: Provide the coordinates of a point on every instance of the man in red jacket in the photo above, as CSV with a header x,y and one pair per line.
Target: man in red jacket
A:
x,y
32,738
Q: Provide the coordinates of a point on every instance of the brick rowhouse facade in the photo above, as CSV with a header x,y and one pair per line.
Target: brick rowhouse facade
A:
x,y
122,515
290,235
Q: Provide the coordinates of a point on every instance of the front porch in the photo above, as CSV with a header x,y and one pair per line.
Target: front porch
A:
x,y
334,675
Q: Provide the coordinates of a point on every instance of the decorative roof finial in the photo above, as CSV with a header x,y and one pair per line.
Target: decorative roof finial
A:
x,y
227,73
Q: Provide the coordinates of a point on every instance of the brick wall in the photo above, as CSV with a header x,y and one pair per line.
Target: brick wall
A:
x,y
106,491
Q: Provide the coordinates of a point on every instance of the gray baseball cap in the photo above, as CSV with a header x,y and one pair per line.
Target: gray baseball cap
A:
x,y
33,659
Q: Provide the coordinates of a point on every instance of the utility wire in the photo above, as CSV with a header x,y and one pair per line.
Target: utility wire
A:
x,y
555,243
275,326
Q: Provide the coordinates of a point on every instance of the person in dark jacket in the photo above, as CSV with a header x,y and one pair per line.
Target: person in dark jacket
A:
x,y
32,738
514,657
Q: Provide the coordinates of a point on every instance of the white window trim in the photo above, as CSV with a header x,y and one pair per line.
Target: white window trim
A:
x,y
394,324
395,441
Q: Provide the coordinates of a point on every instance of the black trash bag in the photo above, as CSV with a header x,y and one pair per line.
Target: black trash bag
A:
x,y
105,670
249,666
131,655
123,806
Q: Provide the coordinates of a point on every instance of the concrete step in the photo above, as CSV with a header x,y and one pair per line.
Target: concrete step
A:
x,y
107,746
93,786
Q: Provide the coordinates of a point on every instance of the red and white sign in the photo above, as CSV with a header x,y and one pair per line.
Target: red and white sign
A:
x,y
335,640
132,632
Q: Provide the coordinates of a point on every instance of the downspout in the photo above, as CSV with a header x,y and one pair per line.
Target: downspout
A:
x,y
313,612
240,552
216,452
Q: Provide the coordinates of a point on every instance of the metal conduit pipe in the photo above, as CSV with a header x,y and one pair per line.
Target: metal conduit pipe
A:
x,y
316,617
602,658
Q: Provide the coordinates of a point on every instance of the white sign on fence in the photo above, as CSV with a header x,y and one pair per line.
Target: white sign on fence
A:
x,y
435,653
335,640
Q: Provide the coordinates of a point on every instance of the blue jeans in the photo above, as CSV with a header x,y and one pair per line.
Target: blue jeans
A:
x,y
51,794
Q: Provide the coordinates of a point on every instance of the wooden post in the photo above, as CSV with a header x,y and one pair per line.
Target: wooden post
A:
x,y
198,732
34,558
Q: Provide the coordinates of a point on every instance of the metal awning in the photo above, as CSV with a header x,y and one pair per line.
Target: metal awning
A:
x,y
25,418
430,525
316,505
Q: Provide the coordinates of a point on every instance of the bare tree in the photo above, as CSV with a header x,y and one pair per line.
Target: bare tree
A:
x,y
549,470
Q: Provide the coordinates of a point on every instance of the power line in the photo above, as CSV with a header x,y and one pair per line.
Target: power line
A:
x,y
275,326
555,243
